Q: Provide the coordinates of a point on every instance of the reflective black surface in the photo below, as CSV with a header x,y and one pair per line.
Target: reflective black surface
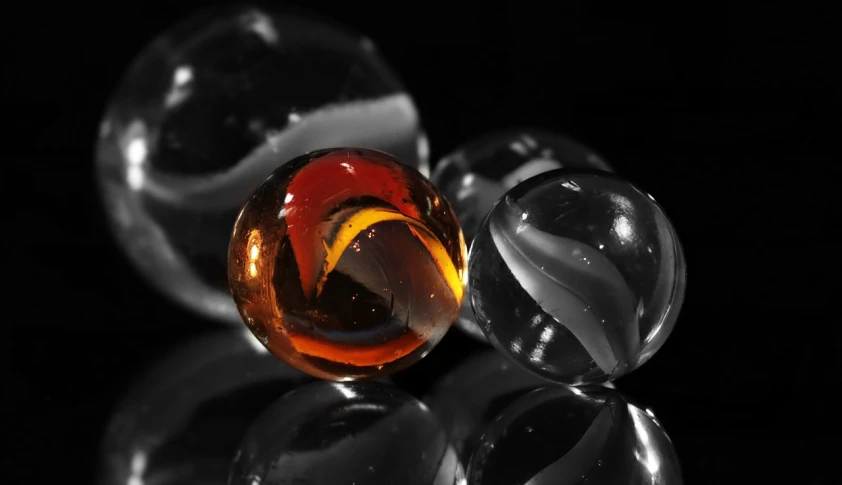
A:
x,y
557,435
180,422
346,432
471,395
727,114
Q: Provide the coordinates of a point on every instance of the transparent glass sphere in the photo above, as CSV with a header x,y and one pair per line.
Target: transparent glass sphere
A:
x,y
471,395
476,175
330,433
577,276
561,435
204,114
347,264
180,422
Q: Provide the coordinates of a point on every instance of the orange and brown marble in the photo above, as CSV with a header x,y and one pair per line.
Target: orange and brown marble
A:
x,y
347,264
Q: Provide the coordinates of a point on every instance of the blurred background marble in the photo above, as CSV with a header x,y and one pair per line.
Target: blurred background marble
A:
x,y
209,108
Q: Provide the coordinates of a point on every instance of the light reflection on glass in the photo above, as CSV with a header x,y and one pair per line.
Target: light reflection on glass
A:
x,y
254,243
261,24
646,455
180,89
136,151
138,468
345,390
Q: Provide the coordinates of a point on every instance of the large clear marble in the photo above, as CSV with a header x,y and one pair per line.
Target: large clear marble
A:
x,y
344,433
206,112
181,421
578,276
476,175
569,436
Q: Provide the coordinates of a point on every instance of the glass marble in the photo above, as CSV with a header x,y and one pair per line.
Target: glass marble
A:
x,y
330,433
181,421
467,398
346,264
578,276
560,435
475,176
204,114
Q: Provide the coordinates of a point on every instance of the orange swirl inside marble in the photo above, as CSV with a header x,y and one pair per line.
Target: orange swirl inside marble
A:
x,y
359,266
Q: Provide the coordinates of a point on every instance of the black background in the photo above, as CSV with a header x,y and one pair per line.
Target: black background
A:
x,y
729,117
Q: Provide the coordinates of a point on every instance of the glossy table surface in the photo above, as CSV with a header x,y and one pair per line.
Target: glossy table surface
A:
x,y
721,115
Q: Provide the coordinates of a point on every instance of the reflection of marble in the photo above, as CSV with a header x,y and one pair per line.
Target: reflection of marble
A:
x,y
476,175
577,275
471,395
181,422
209,109
567,436
345,433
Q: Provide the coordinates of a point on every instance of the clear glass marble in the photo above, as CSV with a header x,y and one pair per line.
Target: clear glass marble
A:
x,y
181,421
476,175
330,433
560,435
578,276
209,109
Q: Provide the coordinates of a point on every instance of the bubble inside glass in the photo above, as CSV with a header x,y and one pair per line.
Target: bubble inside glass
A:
x,y
476,175
209,109
347,264
577,276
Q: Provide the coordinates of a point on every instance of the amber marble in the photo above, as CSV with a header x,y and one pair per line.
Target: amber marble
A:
x,y
347,264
